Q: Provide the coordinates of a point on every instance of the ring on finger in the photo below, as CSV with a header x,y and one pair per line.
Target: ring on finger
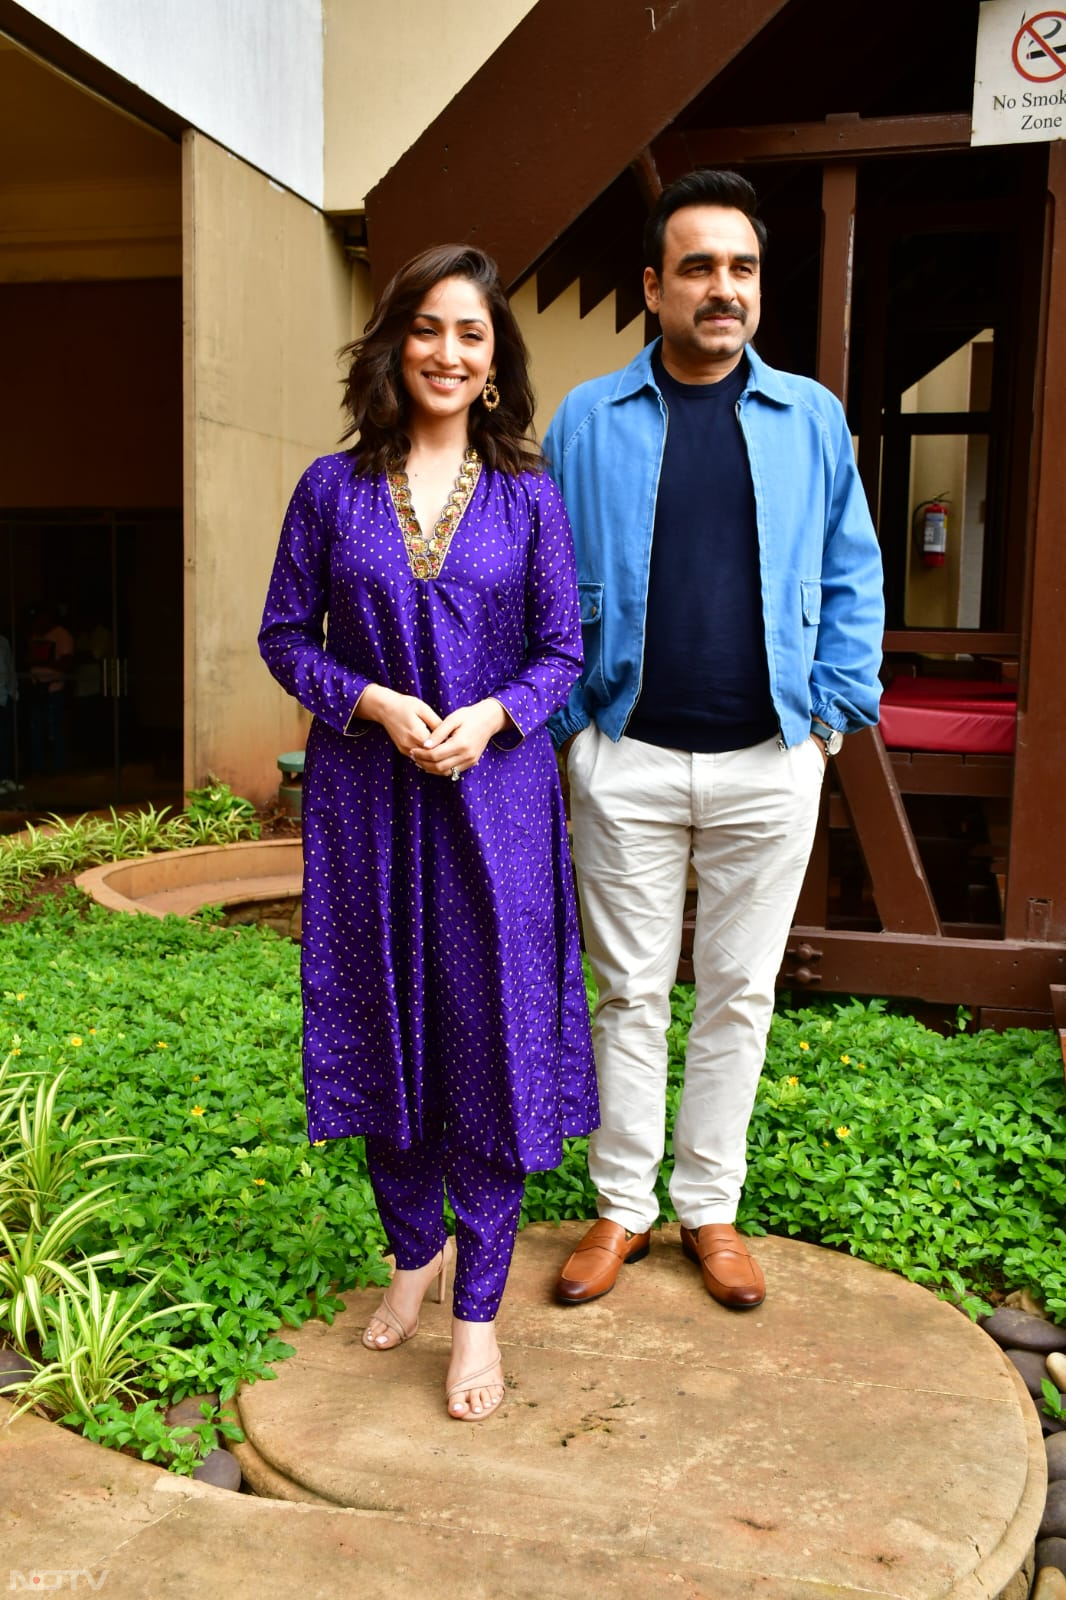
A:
x,y
456,774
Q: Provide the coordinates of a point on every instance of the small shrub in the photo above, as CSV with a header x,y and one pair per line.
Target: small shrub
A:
x,y
215,815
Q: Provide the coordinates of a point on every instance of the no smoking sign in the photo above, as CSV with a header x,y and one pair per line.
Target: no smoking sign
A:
x,y
1037,51
1019,92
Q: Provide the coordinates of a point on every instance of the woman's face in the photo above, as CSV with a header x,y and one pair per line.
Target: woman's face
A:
x,y
448,350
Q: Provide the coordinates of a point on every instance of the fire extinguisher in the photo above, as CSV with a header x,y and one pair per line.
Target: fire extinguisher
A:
x,y
931,531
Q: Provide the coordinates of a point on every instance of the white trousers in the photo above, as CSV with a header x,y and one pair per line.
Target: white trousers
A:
x,y
746,819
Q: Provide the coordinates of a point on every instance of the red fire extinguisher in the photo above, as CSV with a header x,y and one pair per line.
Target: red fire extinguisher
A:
x,y
931,529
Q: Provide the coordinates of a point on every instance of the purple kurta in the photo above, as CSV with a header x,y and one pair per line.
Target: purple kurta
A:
x,y
440,958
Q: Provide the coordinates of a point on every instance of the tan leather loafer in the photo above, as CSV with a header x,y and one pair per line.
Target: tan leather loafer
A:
x,y
592,1270
732,1276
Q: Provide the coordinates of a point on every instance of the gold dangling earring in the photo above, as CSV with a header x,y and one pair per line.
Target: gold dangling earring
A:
x,y
490,395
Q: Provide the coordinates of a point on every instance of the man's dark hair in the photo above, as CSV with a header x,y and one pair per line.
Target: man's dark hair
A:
x,y
707,186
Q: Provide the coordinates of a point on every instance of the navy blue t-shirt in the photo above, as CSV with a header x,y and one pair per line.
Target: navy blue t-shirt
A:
x,y
705,684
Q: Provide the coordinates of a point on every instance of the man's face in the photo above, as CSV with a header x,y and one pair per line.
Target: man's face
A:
x,y
708,297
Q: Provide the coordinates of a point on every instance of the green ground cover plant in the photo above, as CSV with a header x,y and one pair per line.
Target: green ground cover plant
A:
x,y
213,815
943,1159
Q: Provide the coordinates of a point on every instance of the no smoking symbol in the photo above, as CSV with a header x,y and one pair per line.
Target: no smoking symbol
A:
x,y
1034,47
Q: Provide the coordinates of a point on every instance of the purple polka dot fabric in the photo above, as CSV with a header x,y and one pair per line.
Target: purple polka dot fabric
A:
x,y
440,958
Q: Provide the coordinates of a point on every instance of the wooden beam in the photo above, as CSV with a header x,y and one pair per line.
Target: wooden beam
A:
x,y
929,772
1036,881
566,102
917,424
841,138
647,177
951,641
970,972
901,891
839,187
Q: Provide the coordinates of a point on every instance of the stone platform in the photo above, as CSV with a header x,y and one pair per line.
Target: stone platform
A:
x,y
852,1437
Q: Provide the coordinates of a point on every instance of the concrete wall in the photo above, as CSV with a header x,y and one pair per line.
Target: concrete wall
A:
x,y
246,72
268,301
389,70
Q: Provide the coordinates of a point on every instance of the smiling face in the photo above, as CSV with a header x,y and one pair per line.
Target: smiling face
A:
x,y
448,351
708,296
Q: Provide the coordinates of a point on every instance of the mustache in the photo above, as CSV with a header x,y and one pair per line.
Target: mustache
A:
x,y
722,308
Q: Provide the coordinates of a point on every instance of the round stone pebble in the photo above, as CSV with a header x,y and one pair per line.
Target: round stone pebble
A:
x,y
1050,1585
1051,1553
187,1414
220,1468
1018,1330
1055,1449
15,1368
1056,1367
1053,1523
1033,1369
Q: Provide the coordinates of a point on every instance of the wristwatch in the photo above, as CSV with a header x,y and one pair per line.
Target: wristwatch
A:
x,y
832,738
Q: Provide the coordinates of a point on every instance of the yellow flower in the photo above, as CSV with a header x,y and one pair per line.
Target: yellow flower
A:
x,y
792,1082
804,1045
197,1111
259,1182
860,1066
843,1131
196,1077
846,1060
21,996
318,1143
160,1045
75,1039
92,1030
16,1052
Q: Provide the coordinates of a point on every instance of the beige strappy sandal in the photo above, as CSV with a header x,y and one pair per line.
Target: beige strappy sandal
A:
x,y
474,1382
386,1312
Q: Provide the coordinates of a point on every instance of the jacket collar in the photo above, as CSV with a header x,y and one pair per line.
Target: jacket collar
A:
x,y
763,379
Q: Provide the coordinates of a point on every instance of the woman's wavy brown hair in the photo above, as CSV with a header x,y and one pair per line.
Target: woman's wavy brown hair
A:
x,y
375,399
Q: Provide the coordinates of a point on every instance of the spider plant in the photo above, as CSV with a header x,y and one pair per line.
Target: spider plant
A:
x,y
91,1332
138,833
33,1268
38,1159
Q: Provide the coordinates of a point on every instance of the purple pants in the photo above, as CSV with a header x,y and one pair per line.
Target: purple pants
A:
x,y
409,1189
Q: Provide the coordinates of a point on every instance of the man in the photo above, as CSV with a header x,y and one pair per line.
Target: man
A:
x,y
732,603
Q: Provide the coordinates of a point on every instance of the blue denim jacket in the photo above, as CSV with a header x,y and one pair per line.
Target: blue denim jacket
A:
x,y
822,599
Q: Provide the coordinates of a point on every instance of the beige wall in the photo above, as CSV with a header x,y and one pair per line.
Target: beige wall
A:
x,y
566,348
389,70
268,301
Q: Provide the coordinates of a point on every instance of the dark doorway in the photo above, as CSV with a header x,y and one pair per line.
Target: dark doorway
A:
x,y
92,612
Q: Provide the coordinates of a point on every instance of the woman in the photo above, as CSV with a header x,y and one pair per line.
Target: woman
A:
x,y
444,1010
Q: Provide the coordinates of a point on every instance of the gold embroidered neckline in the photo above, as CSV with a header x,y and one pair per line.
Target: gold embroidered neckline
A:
x,y
426,552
